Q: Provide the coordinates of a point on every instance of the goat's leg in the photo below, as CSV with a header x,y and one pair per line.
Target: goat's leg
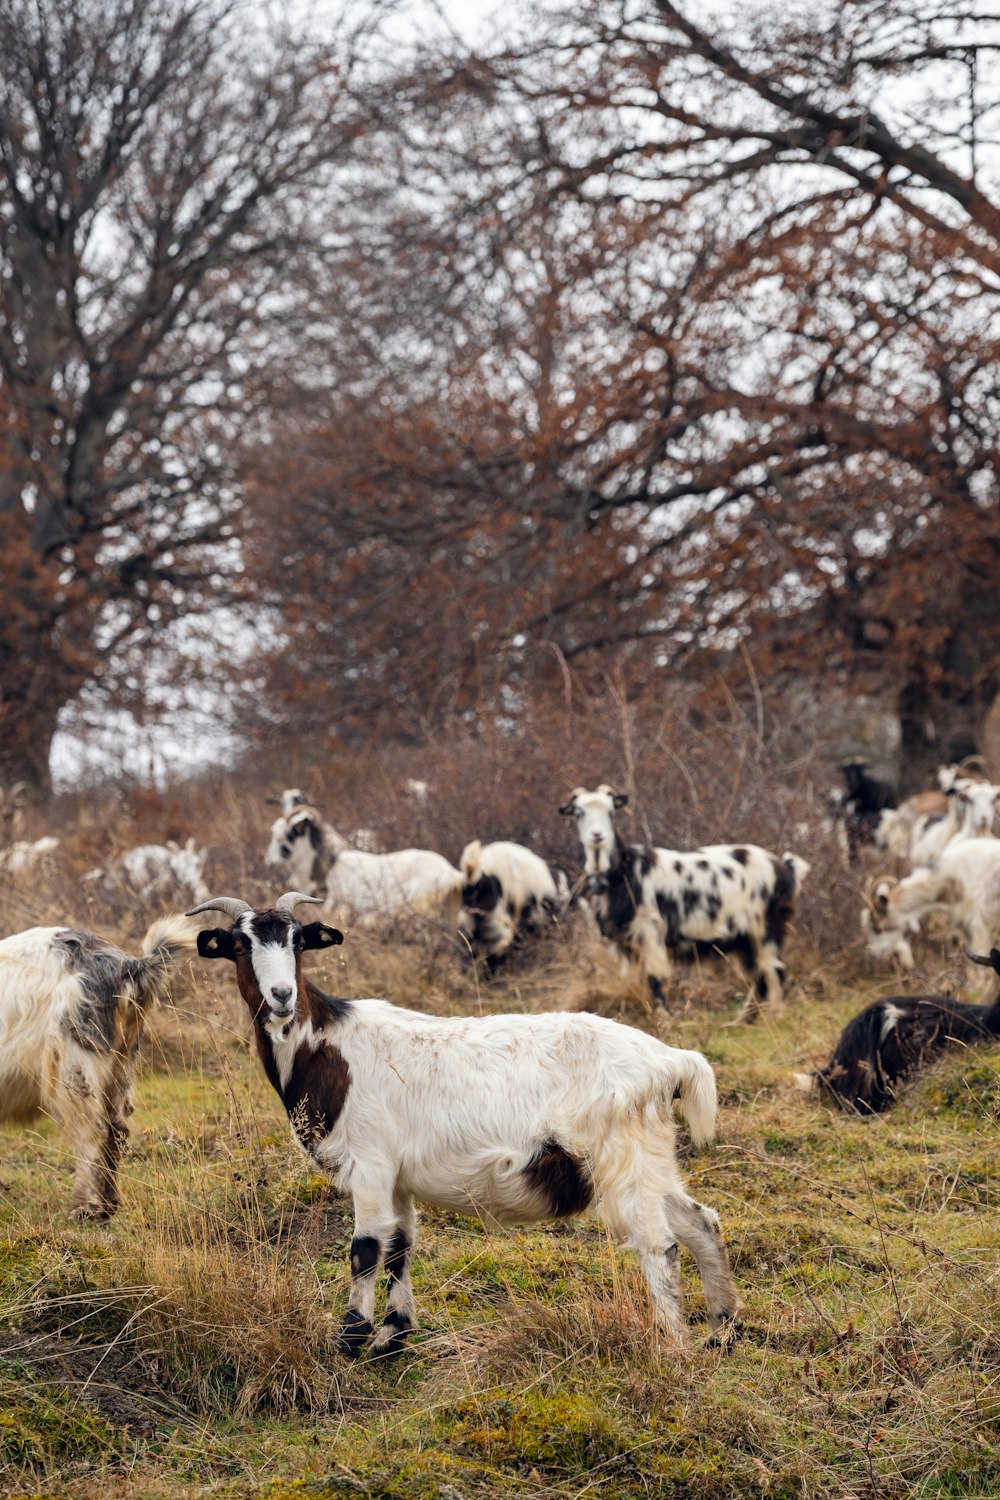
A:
x,y
643,1226
698,1227
116,1133
650,943
374,1222
401,1312
766,974
71,1096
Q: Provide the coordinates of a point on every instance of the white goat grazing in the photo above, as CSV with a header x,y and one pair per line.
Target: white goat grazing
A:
x,y
513,1118
156,872
72,1007
509,894
658,905
24,857
371,888
964,884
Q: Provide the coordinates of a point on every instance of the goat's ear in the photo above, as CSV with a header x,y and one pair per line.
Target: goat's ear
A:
x,y
216,942
318,935
569,808
619,799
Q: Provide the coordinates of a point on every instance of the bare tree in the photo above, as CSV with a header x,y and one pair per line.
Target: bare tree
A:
x,y
713,365
163,164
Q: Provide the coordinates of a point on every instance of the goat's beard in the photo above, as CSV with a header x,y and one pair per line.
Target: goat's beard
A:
x,y
597,859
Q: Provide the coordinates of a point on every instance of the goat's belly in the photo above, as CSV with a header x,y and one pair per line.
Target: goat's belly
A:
x,y
508,1188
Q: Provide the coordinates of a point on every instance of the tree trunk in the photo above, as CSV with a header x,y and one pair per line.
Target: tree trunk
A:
x,y
30,703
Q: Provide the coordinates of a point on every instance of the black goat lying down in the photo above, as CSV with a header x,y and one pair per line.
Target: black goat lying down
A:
x,y
883,1044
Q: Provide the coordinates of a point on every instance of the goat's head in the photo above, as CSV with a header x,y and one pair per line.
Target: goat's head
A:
x,y
266,945
595,823
299,829
288,800
977,802
875,915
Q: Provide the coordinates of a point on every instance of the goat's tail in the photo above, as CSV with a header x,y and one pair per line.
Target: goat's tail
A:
x,y
166,936
695,1087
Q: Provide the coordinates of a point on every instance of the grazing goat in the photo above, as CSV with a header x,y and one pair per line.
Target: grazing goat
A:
x,y
512,1118
23,857
72,1007
964,884
509,894
886,1041
865,800
157,872
658,905
371,888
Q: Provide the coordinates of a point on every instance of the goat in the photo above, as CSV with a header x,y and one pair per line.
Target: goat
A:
x,y
969,813
866,798
512,1118
303,846
24,856
156,872
372,887
509,894
657,905
886,1041
964,883
72,1007
899,827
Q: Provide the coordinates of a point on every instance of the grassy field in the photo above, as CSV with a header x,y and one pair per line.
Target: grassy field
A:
x,y
185,1348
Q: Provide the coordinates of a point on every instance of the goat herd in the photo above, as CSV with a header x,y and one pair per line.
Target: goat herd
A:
x,y
511,1117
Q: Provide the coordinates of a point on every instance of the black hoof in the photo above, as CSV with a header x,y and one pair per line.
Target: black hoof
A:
x,y
725,1332
354,1334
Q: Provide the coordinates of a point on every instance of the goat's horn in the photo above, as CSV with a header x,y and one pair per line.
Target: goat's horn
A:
x,y
987,963
286,903
231,905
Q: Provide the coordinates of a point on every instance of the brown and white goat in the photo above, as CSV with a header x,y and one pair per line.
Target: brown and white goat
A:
x,y
72,1008
510,1117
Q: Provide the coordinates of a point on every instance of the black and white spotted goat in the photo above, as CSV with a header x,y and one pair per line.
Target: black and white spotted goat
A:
x,y
72,1008
882,1045
662,905
509,1117
509,896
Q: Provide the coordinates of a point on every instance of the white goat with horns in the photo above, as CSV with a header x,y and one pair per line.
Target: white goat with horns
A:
x,y
513,1118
